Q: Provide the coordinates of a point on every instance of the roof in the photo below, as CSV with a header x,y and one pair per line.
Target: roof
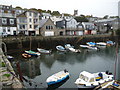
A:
x,y
106,20
22,14
43,21
87,74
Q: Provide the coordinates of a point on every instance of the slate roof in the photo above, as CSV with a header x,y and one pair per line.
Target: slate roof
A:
x,y
43,21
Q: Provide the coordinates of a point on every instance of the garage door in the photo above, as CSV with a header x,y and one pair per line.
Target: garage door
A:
x,y
79,33
49,33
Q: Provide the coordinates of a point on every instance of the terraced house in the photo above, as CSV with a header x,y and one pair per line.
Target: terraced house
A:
x,y
28,23
8,24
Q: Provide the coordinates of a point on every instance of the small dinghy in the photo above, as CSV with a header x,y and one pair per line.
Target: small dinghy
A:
x,y
60,48
84,46
74,50
57,77
87,79
10,57
67,46
25,55
32,53
43,51
101,44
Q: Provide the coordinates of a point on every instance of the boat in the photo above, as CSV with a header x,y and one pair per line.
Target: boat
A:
x,y
44,51
74,50
101,44
10,57
90,80
84,46
25,55
67,46
110,43
60,48
32,53
57,77
91,43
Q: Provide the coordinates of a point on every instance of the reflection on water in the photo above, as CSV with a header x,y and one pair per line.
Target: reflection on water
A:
x,y
39,69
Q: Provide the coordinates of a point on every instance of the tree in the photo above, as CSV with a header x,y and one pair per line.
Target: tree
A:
x,y
49,11
105,17
18,7
81,18
56,13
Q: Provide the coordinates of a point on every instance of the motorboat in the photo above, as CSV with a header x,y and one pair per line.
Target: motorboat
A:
x,y
87,79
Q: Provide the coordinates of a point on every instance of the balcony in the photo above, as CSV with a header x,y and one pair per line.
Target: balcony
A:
x,y
7,15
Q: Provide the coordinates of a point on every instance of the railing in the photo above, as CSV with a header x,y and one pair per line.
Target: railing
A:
x,y
6,15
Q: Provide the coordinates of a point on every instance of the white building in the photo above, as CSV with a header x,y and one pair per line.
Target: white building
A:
x,y
28,22
7,20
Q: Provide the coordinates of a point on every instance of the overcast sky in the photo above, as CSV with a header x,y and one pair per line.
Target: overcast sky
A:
x,y
98,8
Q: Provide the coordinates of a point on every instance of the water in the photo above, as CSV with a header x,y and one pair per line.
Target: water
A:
x,y
38,69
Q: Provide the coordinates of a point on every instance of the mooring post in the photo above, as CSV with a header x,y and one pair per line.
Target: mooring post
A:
x,y
19,71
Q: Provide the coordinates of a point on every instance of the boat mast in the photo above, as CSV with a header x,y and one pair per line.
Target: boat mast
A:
x,y
30,42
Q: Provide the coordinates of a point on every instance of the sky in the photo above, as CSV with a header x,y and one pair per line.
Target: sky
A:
x,y
98,8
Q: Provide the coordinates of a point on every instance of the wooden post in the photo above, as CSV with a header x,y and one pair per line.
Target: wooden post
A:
x,y
19,71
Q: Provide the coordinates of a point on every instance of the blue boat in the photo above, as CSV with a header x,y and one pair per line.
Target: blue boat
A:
x,y
57,77
91,43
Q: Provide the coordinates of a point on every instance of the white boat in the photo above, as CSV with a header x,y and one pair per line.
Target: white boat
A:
x,y
60,48
101,44
10,57
74,50
87,79
67,46
43,51
57,77
84,46
110,43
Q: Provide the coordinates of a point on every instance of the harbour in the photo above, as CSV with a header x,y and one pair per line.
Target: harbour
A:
x,y
37,70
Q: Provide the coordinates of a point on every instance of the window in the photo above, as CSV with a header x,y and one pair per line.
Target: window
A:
x,y
4,30
11,21
51,27
30,14
47,27
4,20
30,26
8,29
30,20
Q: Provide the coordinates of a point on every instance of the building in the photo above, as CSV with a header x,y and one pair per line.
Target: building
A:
x,y
75,12
89,28
71,26
47,27
106,25
28,22
8,24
